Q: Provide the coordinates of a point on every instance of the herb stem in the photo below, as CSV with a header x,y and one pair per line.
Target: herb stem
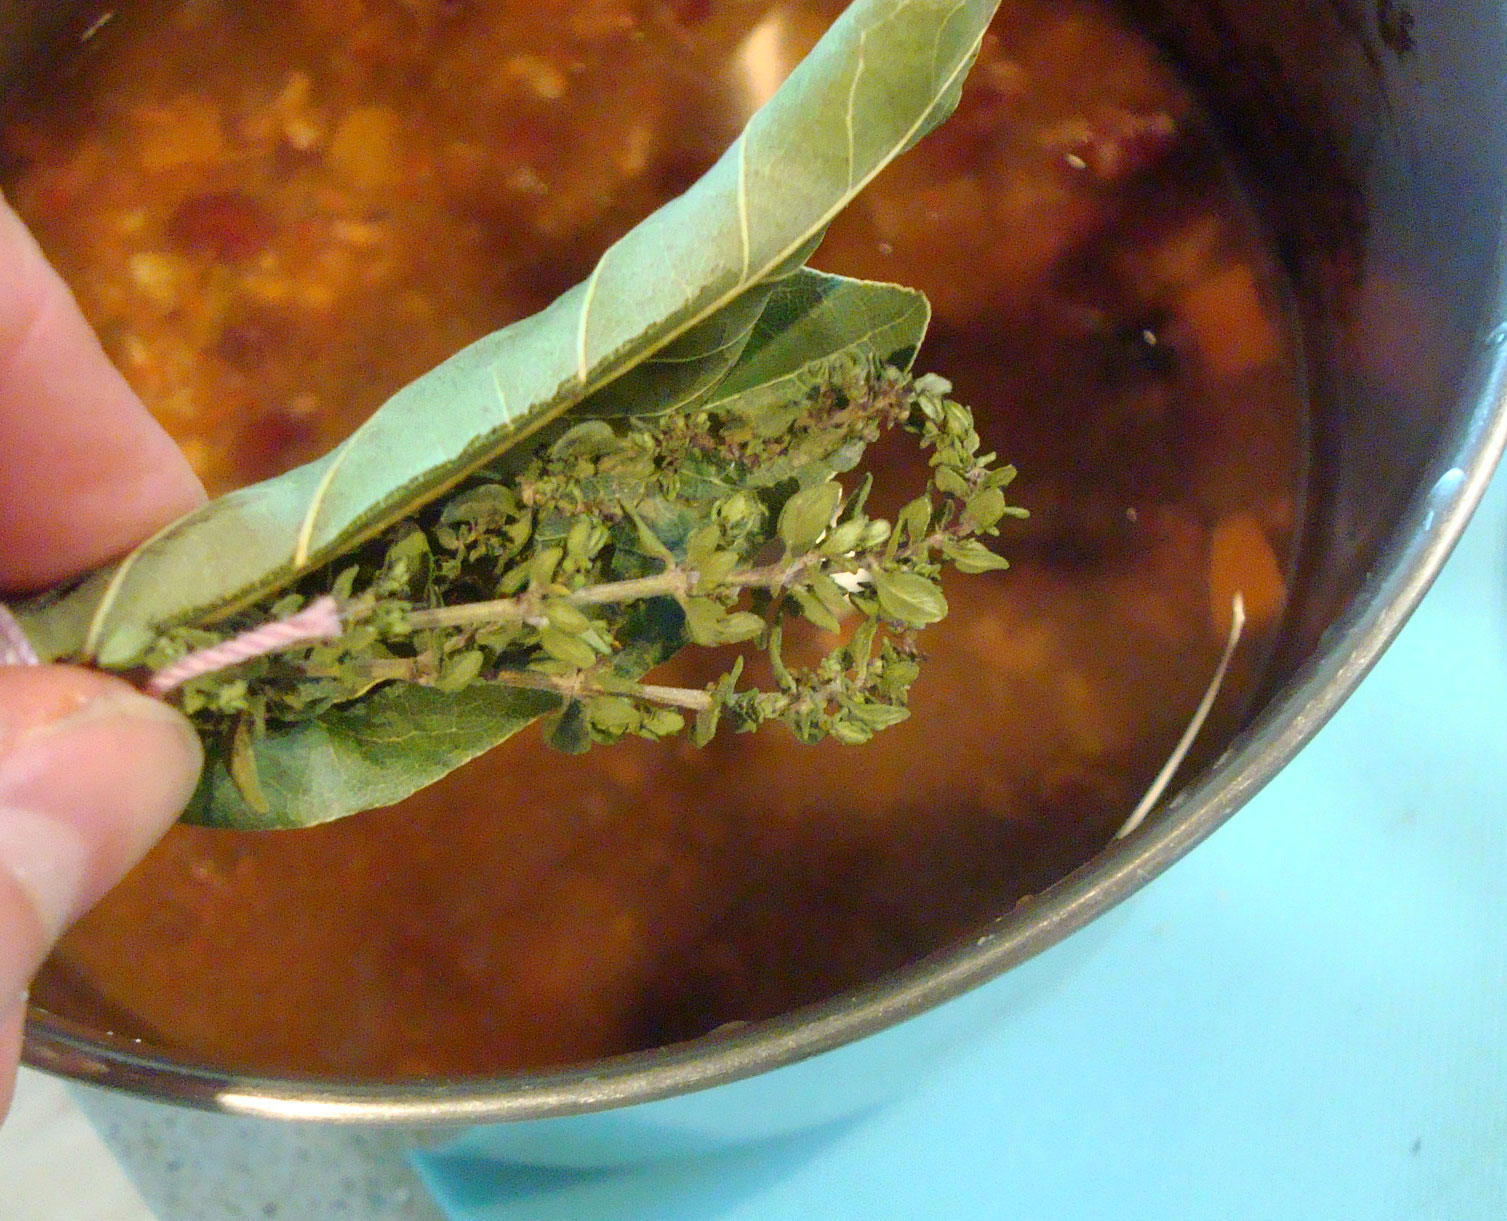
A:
x,y
526,607
773,577
405,669
574,686
672,583
679,697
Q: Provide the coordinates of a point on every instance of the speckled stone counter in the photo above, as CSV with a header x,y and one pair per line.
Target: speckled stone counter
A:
x,y
189,1165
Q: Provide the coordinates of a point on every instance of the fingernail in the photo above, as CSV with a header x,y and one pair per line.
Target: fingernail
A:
x,y
84,794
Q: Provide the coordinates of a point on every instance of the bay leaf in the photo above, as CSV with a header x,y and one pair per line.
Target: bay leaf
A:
x,y
367,754
815,313
663,316
402,737
814,318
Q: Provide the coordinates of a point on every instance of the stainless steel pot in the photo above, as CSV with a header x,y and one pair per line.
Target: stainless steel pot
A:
x,y
1386,192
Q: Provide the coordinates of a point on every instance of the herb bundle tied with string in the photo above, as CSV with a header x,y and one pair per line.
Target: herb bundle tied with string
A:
x,y
654,461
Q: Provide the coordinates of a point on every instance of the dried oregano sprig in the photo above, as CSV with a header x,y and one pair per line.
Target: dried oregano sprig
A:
x,y
614,543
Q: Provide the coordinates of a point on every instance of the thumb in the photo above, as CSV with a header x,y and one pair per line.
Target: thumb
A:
x,y
91,774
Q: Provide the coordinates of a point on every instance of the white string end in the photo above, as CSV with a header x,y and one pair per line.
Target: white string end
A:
x,y
1200,715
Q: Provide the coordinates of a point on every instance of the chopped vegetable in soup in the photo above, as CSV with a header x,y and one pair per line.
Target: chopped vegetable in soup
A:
x,y
277,221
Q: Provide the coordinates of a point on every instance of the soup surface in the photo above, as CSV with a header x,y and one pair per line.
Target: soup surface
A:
x,y
276,216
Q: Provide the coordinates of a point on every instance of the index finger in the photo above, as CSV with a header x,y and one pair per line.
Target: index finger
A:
x,y
85,471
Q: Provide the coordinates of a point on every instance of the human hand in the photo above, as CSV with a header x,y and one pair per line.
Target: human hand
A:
x,y
91,773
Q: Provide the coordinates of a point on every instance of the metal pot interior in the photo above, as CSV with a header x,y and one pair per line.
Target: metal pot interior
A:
x,y
1360,125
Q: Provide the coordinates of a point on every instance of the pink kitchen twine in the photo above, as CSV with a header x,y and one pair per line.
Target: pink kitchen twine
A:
x,y
320,620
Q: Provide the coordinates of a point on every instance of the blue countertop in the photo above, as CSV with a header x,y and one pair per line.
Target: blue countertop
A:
x,y
1306,1019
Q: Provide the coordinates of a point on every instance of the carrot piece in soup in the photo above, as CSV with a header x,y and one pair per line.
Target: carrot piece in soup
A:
x,y
186,132
1241,559
363,150
1229,322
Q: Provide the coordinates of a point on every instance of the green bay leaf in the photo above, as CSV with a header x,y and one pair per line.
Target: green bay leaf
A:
x,y
367,754
400,738
816,314
671,306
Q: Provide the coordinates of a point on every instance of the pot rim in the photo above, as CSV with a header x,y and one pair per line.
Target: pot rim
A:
x,y
1427,533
